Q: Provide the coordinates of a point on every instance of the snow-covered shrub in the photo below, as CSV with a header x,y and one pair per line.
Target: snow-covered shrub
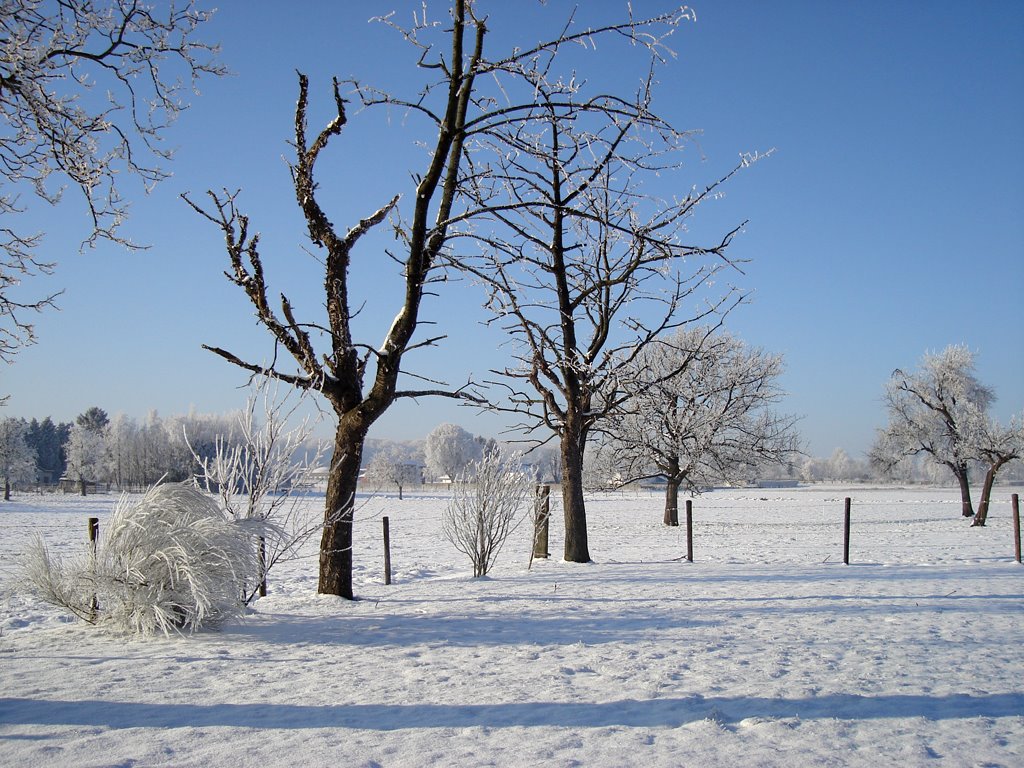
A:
x,y
487,498
258,476
171,560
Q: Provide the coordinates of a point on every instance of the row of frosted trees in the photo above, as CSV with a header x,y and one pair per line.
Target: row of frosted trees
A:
x,y
122,451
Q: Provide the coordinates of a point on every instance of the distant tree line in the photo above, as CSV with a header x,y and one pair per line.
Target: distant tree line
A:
x,y
121,451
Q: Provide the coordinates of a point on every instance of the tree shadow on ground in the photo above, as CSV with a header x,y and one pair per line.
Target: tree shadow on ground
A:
x,y
630,713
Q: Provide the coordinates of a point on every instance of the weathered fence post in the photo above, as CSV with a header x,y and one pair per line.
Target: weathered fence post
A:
x,y
689,530
1016,527
541,521
263,566
94,534
846,531
387,550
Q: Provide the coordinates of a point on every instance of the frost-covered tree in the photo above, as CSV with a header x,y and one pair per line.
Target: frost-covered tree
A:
x,y
85,453
17,458
87,90
488,501
194,438
941,411
449,449
153,454
459,91
582,266
998,446
699,411
840,465
394,465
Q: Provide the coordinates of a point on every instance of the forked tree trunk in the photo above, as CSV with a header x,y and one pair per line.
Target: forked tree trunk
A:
x,y
576,549
336,542
671,501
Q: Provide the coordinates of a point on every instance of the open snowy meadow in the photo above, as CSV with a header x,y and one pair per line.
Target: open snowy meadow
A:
x,y
766,650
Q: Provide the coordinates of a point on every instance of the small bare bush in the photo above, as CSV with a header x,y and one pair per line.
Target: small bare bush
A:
x,y
171,561
488,497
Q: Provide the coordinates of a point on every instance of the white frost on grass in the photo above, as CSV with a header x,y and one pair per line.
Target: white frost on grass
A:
x,y
765,651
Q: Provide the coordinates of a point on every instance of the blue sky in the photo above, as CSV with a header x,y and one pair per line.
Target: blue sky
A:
x,y
889,222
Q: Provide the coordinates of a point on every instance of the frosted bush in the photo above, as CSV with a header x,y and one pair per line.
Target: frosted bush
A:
x,y
486,501
170,561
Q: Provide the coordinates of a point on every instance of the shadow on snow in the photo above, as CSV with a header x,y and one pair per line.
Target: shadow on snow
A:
x,y
656,713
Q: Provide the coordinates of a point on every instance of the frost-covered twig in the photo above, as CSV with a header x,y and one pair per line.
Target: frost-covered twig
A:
x,y
257,478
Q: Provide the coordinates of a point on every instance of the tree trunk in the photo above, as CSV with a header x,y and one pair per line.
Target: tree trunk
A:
x,y
966,506
336,542
986,493
81,485
576,549
671,501
7,490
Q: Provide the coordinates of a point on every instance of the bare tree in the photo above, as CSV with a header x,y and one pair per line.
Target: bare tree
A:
x,y
487,504
582,267
85,455
87,89
464,95
698,412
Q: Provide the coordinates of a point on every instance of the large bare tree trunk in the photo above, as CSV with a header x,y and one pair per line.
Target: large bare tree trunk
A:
x,y
671,501
576,548
336,542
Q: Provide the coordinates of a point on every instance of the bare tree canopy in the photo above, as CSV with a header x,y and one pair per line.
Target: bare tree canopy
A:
x,y
87,89
465,96
582,266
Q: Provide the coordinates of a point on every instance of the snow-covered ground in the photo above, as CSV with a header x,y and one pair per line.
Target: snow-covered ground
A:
x,y
766,650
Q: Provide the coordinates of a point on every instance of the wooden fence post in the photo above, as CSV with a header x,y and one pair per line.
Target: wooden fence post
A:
x,y
94,534
846,531
387,551
1016,527
689,530
542,521
263,566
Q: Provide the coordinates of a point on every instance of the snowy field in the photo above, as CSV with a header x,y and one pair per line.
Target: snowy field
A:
x,y
765,651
